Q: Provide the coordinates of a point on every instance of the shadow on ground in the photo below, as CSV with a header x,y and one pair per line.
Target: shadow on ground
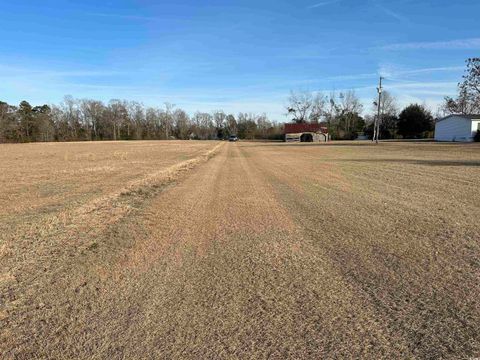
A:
x,y
258,143
429,162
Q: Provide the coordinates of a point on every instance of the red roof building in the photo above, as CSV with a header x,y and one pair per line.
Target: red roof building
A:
x,y
306,128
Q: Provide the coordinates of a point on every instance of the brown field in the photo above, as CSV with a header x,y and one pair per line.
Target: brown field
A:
x,y
248,250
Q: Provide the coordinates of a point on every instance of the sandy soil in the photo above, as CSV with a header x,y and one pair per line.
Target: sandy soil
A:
x,y
249,250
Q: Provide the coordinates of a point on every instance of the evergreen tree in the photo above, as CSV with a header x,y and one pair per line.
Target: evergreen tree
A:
x,y
415,121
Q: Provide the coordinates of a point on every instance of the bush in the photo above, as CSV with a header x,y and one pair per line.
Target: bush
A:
x,y
415,122
477,136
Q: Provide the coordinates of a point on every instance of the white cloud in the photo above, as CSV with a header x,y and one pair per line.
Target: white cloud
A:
x,y
393,71
323,3
353,76
433,69
7,71
128,17
392,13
469,44
435,87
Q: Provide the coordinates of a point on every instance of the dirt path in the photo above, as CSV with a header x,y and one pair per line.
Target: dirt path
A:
x,y
248,258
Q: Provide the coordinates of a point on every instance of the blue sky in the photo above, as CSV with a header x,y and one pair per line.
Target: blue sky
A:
x,y
233,55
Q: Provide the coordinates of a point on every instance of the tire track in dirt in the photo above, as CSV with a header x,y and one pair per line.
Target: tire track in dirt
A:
x,y
64,243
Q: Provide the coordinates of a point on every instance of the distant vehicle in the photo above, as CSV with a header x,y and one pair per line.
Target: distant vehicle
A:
x,y
233,138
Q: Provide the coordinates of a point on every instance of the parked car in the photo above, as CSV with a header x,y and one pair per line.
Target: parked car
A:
x,y
233,138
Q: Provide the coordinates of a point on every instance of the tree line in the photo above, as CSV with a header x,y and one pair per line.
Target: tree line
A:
x,y
85,119
342,112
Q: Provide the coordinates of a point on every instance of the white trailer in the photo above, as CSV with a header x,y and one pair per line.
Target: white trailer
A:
x,y
457,128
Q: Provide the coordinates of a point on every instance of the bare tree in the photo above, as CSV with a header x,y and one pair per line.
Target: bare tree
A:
x,y
219,118
136,117
351,107
388,114
71,112
247,125
468,99
263,125
204,128
153,125
231,124
343,114
182,123
305,106
117,115
92,111
388,104
167,119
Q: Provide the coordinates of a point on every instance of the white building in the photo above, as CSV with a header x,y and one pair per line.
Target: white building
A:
x,y
457,128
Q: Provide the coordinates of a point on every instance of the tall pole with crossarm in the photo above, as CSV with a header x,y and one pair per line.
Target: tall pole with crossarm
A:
x,y
377,123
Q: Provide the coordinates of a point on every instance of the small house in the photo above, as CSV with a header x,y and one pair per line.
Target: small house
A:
x,y
457,128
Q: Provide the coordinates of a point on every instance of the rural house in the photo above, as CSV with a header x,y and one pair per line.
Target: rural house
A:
x,y
457,128
305,132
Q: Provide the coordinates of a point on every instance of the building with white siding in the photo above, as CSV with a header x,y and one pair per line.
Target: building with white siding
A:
x,y
457,128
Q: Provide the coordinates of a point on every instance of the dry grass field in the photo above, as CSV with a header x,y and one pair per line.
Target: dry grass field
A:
x,y
197,250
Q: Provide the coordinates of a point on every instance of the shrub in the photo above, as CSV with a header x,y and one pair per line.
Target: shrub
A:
x,y
476,138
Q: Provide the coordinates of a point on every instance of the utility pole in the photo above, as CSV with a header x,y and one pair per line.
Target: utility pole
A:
x,y
376,131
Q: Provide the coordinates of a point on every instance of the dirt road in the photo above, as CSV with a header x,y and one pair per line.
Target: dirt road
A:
x,y
274,251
